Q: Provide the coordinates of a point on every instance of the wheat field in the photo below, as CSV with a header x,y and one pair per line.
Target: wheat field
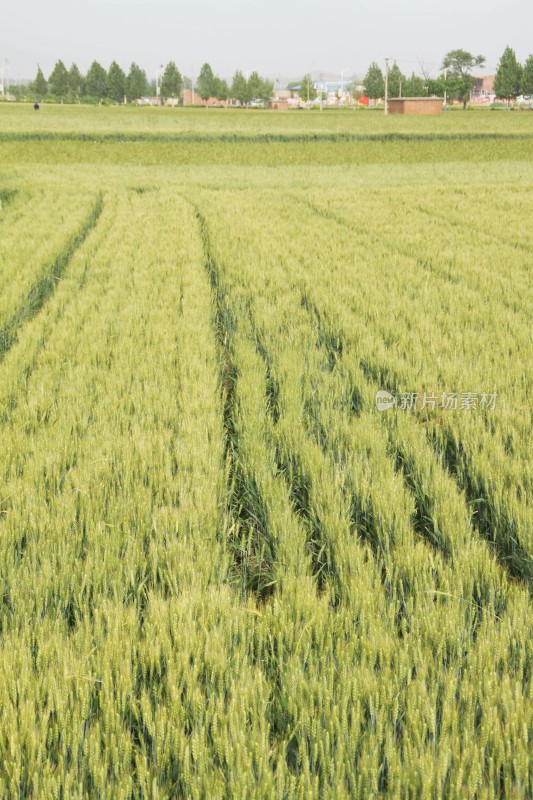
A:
x,y
224,571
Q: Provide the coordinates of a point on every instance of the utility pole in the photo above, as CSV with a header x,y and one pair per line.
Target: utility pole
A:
x,y
445,79
342,84
158,79
4,80
277,78
387,85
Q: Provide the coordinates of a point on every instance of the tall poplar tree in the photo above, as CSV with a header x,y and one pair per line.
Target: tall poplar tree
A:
x,y
508,80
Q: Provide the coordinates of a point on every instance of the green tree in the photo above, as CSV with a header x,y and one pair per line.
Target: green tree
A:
x,y
307,90
259,88
205,85
374,82
40,85
267,90
414,87
239,88
58,80
76,81
116,83
96,81
220,89
508,80
172,82
435,87
458,65
527,77
396,81
136,82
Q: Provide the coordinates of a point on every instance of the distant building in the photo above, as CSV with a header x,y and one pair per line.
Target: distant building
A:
x,y
192,98
188,100
282,95
148,101
483,90
416,105
333,91
333,84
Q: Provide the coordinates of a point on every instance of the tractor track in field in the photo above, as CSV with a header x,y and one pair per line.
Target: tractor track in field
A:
x,y
298,481
250,511
492,530
467,227
26,370
365,518
426,263
44,287
496,526
362,518
51,413
251,546
247,509
495,531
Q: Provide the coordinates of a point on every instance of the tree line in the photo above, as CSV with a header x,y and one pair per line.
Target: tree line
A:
x,y
456,79
99,84
243,89
116,86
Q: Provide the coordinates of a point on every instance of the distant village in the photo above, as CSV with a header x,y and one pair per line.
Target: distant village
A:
x,y
328,92
459,82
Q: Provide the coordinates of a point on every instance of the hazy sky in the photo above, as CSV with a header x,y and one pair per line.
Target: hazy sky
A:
x,y
284,37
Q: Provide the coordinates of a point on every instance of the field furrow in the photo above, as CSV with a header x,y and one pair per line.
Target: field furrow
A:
x,y
30,263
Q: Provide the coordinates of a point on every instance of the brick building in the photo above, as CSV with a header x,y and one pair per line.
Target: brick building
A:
x,y
416,105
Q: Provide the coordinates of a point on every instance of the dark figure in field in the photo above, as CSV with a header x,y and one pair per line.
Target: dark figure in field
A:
x,y
36,106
